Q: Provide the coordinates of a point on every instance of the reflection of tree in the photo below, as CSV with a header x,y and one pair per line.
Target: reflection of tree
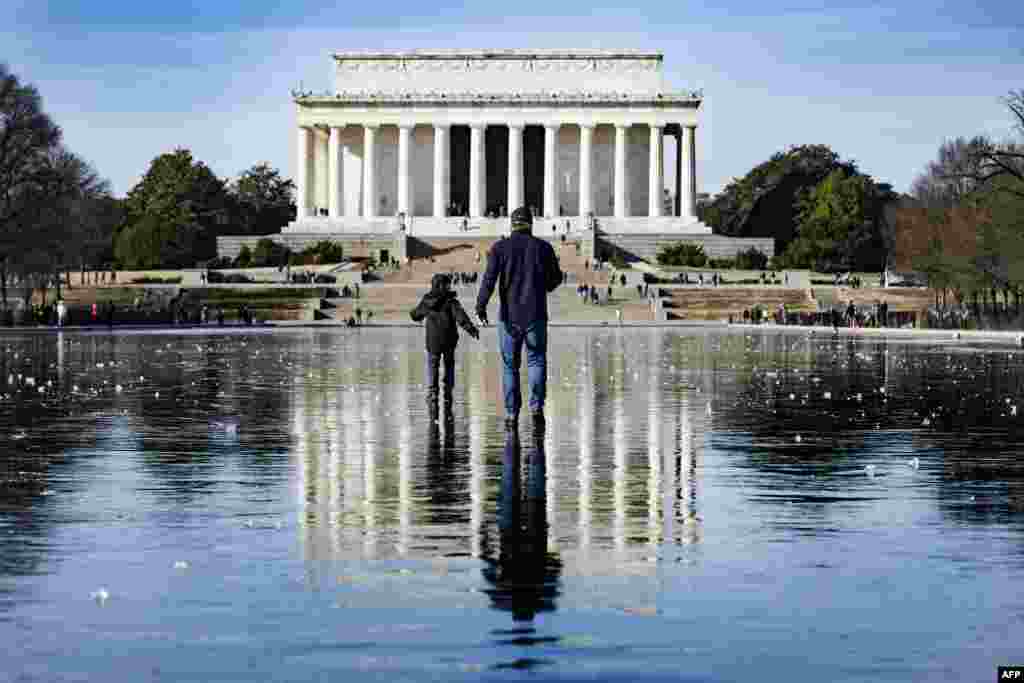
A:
x,y
524,577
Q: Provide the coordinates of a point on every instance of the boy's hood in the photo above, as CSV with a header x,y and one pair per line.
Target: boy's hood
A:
x,y
435,299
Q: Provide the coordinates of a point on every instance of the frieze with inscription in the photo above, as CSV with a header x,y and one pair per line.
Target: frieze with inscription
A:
x,y
499,73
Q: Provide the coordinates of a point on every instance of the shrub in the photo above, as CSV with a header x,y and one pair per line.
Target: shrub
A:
x,y
244,259
683,254
722,263
157,280
751,259
237,278
218,262
325,251
618,261
270,253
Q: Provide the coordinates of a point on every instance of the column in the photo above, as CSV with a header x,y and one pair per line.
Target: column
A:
x,y
621,210
690,188
322,170
515,168
476,170
369,171
334,173
657,181
441,153
551,170
679,172
404,179
586,155
350,180
302,173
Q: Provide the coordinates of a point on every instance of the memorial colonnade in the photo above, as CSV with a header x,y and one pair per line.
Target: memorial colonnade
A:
x,y
341,167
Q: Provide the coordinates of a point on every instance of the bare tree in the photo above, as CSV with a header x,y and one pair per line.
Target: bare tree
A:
x,y
1005,161
952,178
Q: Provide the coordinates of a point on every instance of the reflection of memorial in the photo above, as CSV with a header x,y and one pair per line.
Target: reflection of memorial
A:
x,y
625,439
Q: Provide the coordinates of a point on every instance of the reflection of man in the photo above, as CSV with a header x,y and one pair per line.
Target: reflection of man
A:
x,y
525,269
524,577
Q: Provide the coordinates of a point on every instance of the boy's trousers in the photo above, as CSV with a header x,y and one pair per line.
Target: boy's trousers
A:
x,y
433,368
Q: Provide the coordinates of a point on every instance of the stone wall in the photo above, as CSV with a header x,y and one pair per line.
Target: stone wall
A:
x,y
645,247
366,245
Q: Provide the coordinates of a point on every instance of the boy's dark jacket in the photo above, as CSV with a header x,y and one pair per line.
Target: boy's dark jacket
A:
x,y
444,315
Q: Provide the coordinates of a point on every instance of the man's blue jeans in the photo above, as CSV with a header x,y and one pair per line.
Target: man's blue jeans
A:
x,y
511,338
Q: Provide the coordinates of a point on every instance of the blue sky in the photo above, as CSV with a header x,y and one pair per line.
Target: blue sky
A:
x,y
881,85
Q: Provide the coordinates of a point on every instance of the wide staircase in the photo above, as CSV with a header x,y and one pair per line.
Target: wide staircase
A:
x,y
469,255
898,298
392,303
718,303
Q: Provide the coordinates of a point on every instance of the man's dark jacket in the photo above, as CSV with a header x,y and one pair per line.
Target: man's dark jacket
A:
x,y
525,269
444,314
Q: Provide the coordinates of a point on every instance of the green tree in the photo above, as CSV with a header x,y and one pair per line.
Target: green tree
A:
x,y
840,224
27,137
174,214
263,200
762,203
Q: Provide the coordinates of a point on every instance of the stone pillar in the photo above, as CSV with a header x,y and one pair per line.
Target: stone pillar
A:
x,y
302,178
322,173
334,173
586,157
657,181
404,177
369,171
679,173
441,153
621,209
515,168
350,182
551,170
476,170
690,186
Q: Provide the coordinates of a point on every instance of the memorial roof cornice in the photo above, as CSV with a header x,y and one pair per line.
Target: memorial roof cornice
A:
x,y
506,53
689,98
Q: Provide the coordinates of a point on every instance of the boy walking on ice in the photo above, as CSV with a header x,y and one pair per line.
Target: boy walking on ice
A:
x,y
444,314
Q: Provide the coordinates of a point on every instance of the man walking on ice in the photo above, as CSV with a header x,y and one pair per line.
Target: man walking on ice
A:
x,y
525,269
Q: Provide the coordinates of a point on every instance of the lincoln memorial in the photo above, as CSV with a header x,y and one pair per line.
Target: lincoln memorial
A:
x,y
433,141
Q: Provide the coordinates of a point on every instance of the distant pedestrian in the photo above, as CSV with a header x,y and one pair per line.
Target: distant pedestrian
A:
x,y
443,314
618,315
61,312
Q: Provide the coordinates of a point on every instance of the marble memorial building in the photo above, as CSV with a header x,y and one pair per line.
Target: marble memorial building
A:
x,y
435,141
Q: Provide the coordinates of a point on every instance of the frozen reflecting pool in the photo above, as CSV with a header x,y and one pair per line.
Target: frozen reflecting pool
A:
x,y
704,505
